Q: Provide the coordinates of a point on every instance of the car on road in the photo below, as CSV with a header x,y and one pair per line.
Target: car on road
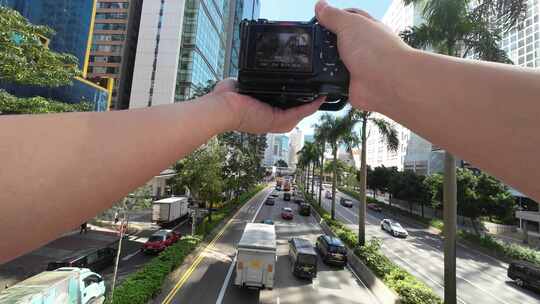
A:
x,y
394,228
525,274
95,259
299,199
287,196
287,213
274,194
332,250
303,258
267,221
304,209
345,202
374,207
270,201
160,240
328,194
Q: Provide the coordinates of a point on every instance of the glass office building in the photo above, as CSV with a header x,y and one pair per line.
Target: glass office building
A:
x,y
72,20
239,10
202,51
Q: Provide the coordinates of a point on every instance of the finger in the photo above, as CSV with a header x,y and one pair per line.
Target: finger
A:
x,y
360,12
332,18
285,120
226,85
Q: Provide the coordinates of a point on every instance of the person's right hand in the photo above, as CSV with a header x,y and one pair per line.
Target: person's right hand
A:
x,y
371,52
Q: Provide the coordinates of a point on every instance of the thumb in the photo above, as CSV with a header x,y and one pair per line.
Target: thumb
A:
x,y
330,17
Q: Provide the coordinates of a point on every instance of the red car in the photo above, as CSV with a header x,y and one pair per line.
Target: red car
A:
x,y
287,213
374,207
160,240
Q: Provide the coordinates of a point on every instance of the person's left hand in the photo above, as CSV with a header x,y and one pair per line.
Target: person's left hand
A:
x,y
253,116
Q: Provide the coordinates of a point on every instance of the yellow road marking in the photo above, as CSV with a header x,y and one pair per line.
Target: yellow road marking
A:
x,y
198,260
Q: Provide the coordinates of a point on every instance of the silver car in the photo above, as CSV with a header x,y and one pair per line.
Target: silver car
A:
x,y
394,228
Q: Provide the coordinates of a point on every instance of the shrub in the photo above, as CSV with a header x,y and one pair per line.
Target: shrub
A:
x,y
510,251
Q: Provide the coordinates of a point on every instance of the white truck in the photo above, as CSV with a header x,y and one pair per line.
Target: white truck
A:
x,y
256,257
66,285
169,210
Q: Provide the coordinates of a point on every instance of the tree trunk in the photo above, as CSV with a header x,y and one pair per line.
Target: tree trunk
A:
x,y
334,173
363,177
449,229
321,177
313,180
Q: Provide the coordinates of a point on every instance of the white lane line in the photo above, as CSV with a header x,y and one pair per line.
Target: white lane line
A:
x,y
231,267
363,284
129,256
226,282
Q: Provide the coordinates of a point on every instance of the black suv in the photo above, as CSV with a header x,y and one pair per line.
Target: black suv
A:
x,y
96,259
332,250
304,209
525,274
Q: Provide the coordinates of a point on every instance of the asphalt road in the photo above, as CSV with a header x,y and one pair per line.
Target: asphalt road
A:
x,y
480,278
210,282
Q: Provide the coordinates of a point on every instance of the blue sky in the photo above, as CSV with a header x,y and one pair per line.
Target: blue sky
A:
x,y
302,10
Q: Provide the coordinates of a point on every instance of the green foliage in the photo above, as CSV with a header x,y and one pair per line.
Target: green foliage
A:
x,y
510,251
10,104
434,184
378,179
143,285
408,186
25,59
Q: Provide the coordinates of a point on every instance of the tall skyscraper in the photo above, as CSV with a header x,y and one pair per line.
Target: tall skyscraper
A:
x,y
296,142
522,43
238,11
114,44
181,47
277,149
72,21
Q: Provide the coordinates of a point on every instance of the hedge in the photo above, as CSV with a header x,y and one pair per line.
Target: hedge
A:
x,y
143,285
510,251
409,288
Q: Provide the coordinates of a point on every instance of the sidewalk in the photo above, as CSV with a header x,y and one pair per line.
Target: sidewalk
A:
x,y
36,261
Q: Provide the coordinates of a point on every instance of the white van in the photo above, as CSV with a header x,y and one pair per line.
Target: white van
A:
x,y
256,257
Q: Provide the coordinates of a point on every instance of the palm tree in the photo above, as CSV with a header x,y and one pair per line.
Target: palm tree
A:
x,y
309,155
320,139
467,29
389,135
336,130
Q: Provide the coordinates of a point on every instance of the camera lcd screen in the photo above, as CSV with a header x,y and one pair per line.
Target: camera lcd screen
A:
x,y
284,50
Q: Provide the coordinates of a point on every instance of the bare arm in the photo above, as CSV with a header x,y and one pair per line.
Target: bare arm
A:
x,y
485,113
60,170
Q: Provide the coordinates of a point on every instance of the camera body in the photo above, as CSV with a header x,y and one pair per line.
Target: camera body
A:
x,y
287,64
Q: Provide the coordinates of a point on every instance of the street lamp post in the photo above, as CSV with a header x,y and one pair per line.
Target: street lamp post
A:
x,y
123,224
449,229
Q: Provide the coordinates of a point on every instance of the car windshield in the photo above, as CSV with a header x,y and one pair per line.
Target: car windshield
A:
x,y
287,210
307,259
337,249
396,225
156,238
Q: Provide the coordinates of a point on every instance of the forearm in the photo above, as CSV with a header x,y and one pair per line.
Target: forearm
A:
x,y
102,156
485,113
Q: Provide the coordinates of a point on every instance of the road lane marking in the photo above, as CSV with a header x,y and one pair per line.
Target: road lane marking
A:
x,y
231,267
129,256
199,258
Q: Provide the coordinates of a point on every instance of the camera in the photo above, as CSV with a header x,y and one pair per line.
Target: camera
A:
x,y
287,64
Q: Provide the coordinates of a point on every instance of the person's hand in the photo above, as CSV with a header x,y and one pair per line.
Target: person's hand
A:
x,y
252,116
371,52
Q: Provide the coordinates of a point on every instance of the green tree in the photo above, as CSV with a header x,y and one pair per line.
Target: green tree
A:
x,y
464,28
380,178
495,199
310,158
390,136
26,59
320,140
434,185
336,131
10,104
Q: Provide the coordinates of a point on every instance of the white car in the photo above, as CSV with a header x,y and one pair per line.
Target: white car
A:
x,y
394,228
